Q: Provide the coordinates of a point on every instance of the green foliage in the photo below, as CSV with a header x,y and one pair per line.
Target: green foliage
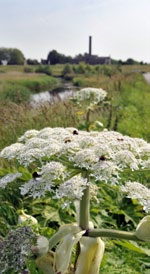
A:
x,y
16,119
44,69
111,211
15,93
108,70
28,69
134,109
13,56
118,258
67,72
16,57
10,200
32,62
80,69
67,69
79,82
19,91
54,58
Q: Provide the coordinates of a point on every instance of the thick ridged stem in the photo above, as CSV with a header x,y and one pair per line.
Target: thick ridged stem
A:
x,y
84,209
110,233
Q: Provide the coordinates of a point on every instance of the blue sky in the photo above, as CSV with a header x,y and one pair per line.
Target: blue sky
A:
x,y
119,28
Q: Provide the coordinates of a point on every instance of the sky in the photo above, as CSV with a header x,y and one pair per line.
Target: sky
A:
x,y
119,28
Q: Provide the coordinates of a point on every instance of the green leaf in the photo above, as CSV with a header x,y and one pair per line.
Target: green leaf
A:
x,y
133,246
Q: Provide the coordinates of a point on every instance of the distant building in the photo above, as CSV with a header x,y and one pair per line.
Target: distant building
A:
x,y
4,62
57,58
105,60
94,59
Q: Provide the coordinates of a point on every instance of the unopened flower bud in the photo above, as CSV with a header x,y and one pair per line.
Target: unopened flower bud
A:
x,y
42,246
25,217
143,229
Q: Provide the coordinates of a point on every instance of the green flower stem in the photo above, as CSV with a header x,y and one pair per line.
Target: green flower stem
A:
x,y
84,210
88,118
111,233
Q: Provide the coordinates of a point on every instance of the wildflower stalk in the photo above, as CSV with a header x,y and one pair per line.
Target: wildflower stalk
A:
x,y
88,119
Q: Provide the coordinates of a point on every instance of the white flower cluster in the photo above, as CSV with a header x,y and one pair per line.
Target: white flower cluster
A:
x,y
63,157
139,192
51,175
94,95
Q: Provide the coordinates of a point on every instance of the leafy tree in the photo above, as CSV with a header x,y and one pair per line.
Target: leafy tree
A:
x,y
130,61
44,69
53,57
16,57
4,54
57,58
13,56
32,62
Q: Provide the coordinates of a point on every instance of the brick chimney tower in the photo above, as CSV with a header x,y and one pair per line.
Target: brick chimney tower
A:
x,y
90,46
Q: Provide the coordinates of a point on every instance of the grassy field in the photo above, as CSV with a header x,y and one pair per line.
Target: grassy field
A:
x,y
126,109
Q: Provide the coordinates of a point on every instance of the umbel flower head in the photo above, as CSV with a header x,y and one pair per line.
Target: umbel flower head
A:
x,y
15,249
91,95
68,160
138,191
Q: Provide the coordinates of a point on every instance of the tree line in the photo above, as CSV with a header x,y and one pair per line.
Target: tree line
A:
x,y
11,56
14,56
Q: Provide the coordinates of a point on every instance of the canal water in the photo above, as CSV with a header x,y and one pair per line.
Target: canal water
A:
x,y
147,77
58,94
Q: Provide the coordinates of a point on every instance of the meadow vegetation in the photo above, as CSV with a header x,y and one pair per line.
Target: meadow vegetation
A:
x,y
126,109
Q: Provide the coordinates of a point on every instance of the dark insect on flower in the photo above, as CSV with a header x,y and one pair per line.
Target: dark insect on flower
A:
x,y
102,158
75,132
67,140
120,139
35,175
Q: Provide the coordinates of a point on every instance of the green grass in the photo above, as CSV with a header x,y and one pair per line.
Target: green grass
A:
x,y
17,86
128,109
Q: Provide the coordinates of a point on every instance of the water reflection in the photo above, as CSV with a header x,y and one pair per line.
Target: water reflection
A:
x,y
50,97
147,77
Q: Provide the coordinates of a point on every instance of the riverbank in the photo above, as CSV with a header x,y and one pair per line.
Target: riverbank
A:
x,y
17,86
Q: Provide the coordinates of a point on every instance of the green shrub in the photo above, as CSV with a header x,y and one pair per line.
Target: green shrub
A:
x,y
44,69
15,93
108,70
67,69
80,69
67,72
28,69
41,83
78,81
